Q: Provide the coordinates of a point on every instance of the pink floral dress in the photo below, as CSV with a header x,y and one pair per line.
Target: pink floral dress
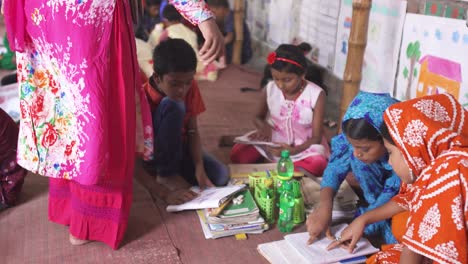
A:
x,y
292,120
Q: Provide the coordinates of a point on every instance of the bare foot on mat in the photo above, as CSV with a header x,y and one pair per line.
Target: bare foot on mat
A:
x,y
77,242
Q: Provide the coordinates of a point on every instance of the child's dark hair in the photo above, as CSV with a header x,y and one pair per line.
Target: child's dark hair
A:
x,y
305,47
361,129
218,3
140,32
386,134
173,55
290,52
153,3
171,14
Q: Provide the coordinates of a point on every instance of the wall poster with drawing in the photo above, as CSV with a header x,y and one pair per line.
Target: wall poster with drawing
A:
x,y
383,39
433,58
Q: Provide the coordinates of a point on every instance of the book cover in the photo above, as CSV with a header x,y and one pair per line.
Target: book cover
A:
x,y
246,139
232,210
209,234
208,198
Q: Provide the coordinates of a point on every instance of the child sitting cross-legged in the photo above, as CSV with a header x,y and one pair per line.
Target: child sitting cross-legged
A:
x,y
176,102
290,114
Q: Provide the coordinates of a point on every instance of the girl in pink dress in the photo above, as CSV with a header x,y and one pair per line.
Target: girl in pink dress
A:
x,y
290,114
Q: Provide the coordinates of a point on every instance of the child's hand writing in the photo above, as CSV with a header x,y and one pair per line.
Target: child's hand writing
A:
x,y
318,222
352,233
202,179
263,133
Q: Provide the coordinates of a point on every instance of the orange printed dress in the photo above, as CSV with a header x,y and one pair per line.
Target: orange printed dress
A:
x,y
432,134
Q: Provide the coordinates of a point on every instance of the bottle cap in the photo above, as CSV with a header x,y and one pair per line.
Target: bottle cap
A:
x,y
285,153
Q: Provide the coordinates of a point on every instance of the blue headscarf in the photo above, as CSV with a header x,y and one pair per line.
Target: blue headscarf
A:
x,y
377,180
369,106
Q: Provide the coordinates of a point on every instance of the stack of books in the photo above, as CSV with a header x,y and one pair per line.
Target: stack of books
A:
x,y
238,217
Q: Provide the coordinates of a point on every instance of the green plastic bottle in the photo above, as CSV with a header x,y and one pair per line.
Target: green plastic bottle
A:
x,y
286,208
285,168
299,210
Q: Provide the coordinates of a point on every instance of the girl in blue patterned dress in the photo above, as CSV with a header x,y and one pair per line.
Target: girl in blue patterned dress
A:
x,y
359,150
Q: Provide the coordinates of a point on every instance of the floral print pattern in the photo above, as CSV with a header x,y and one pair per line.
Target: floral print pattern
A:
x,y
436,199
58,111
195,11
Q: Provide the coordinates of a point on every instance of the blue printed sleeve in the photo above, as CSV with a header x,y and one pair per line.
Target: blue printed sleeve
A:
x,y
391,188
339,164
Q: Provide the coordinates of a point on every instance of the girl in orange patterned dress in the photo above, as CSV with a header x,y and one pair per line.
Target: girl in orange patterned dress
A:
x,y
427,140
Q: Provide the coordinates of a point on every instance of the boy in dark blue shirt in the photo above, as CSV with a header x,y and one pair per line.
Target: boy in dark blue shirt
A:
x,y
225,20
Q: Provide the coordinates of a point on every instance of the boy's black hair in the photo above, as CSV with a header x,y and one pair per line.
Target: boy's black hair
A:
x,y
386,134
361,129
153,3
218,3
171,14
173,55
305,47
290,52
139,31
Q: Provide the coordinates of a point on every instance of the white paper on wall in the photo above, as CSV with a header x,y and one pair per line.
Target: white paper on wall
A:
x,y
280,22
256,19
383,42
317,26
433,58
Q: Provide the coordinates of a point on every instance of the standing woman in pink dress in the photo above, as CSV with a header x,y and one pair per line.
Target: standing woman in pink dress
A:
x,y
77,73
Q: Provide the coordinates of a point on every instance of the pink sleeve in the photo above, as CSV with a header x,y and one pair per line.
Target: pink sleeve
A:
x,y
195,11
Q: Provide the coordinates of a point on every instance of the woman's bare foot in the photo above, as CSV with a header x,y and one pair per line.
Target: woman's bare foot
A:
x,y
77,242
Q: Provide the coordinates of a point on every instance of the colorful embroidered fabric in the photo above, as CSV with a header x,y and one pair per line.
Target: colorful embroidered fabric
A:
x,y
64,89
377,180
195,11
432,134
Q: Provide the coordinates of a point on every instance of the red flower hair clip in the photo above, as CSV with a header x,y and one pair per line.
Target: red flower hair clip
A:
x,y
271,57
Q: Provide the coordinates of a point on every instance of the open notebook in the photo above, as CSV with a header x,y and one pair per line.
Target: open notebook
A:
x,y
245,139
294,250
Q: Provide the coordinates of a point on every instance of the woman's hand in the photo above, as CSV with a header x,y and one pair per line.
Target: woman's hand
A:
x,y
214,41
318,222
351,234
